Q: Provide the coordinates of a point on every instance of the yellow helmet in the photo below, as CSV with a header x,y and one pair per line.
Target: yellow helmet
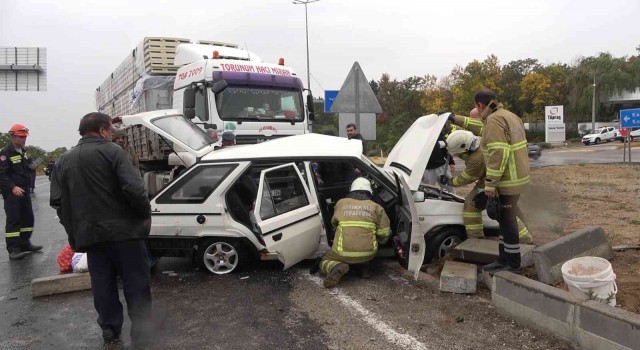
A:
x,y
459,141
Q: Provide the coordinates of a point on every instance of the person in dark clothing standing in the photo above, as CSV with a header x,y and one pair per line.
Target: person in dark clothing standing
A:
x,y
352,133
15,181
103,205
32,165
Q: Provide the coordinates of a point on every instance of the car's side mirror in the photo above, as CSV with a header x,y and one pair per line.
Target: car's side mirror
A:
x,y
189,102
418,196
310,107
219,86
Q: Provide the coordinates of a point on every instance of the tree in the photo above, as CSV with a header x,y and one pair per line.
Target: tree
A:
x,y
535,95
58,152
510,79
437,94
468,80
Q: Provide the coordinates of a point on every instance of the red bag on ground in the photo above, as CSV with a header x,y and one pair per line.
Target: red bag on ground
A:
x,y
64,259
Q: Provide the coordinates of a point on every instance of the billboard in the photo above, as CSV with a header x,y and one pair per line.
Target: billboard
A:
x,y
554,128
23,69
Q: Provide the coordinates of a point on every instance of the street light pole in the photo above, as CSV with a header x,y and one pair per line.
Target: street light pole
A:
x,y
306,26
593,107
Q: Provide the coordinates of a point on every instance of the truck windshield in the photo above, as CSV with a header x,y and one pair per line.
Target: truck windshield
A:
x,y
272,104
183,130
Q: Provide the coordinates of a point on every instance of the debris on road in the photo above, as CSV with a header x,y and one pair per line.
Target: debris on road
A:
x,y
58,284
459,277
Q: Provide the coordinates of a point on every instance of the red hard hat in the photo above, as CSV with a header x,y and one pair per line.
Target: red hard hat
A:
x,y
19,130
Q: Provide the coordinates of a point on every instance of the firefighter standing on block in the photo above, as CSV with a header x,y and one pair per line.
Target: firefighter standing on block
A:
x,y
504,145
468,147
15,180
360,225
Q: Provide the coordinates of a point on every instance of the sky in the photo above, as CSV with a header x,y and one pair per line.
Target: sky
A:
x,y
86,40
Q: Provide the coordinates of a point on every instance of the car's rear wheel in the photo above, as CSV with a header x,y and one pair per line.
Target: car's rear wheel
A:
x,y
221,256
438,246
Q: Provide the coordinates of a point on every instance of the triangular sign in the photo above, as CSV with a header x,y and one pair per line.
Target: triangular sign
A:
x,y
355,95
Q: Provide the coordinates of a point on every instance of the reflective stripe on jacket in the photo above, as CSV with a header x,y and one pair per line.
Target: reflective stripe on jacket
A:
x,y
504,145
476,126
474,170
361,224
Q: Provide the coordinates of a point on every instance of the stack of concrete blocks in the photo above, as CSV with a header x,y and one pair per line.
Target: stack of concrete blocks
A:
x,y
152,57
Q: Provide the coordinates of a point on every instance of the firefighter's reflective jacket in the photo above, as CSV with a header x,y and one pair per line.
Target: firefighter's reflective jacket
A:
x,y
474,170
360,224
14,170
476,126
505,151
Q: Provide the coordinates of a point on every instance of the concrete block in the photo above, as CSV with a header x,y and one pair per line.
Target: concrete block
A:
x,y
530,302
599,326
486,279
589,241
457,277
70,282
485,251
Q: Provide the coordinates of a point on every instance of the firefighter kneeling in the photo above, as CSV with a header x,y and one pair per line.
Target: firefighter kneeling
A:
x,y
468,147
360,225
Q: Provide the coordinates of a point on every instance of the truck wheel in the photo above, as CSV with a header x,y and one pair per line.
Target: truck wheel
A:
x,y
221,256
597,141
438,246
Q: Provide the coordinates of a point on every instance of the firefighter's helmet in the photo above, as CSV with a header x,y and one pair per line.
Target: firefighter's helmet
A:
x,y
19,130
459,141
361,184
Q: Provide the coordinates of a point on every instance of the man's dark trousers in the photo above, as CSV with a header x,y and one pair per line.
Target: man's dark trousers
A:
x,y
509,241
129,260
19,225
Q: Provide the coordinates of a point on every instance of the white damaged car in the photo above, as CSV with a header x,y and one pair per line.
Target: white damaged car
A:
x,y
275,200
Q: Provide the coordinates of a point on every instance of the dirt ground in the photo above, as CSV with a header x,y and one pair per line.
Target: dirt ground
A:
x,y
563,199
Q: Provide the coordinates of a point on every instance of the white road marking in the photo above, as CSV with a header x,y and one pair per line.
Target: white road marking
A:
x,y
42,184
403,340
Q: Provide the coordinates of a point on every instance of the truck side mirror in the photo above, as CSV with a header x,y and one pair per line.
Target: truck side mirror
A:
x,y
310,107
189,103
219,86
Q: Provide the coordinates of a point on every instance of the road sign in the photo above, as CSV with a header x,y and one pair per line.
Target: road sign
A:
x,y
329,97
630,118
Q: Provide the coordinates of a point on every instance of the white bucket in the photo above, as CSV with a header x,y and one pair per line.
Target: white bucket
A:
x,y
591,274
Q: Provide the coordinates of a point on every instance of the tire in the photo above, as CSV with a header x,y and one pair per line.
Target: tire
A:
x,y
221,256
536,156
597,141
586,143
439,244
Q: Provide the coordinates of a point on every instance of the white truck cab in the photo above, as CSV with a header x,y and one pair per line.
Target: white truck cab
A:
x,y
234,90
275,200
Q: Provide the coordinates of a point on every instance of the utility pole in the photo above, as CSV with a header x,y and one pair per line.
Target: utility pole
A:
x,y
306,25
593,107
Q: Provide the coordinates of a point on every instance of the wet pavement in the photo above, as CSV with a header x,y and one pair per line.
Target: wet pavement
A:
x,y
261,306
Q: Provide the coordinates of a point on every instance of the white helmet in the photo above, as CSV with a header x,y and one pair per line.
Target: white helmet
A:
x,y
361,184
459,141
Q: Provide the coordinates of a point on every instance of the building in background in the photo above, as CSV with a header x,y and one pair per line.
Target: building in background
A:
x,y
23,69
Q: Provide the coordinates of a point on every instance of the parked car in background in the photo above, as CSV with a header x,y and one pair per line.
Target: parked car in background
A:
x,y
535,151
607,133
634,134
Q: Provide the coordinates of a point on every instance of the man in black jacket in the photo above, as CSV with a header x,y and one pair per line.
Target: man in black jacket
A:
x,y
352,133
103,205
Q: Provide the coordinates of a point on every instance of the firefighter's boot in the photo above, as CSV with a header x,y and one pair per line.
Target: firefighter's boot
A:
x,y
334,276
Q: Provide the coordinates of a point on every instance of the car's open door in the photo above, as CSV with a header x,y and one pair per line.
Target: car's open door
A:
x,y
285,216
412,237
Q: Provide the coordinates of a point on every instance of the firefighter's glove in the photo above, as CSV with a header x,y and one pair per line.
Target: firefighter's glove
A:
x,y
443,180
494,207
480,201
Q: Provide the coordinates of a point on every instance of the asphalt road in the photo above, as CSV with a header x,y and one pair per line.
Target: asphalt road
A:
x,y
602,153
260,307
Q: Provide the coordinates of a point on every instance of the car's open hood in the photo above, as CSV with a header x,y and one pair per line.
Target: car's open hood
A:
x,y
411,154
173,126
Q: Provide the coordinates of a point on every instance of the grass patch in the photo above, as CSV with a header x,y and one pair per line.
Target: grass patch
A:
x,y
635,222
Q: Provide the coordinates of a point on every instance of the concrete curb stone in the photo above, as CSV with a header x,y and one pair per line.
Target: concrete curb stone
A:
x,y
459,277
69,282
589,241
586,323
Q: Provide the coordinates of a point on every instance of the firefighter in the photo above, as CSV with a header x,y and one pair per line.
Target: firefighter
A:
x,y
360,225
468,147
504,145
14,184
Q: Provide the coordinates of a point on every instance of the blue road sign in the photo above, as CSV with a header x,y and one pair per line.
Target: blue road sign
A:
x,y
329,97
630,118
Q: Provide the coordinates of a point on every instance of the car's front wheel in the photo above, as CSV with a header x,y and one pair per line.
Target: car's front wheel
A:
x,y
438,246
597,142
221,256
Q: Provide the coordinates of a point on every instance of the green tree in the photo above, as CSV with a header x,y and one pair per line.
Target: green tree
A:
x,y
535,95
468,80
510,79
